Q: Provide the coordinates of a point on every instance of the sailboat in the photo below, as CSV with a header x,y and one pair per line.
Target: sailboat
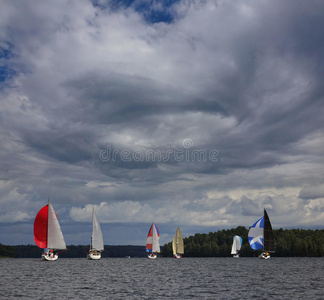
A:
x,y
152,242
96,245
261,236
47,233
177,244
236,247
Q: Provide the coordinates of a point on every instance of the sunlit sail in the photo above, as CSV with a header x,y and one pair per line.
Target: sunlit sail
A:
x,y
177,244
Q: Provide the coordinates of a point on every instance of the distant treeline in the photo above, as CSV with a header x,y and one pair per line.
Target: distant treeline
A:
x,y
288,242
7,251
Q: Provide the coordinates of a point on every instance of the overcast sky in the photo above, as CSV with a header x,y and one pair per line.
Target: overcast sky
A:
x,y
191,113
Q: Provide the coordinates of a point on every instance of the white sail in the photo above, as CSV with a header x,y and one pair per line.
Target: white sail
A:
x,y
96,237
155,243
55,239
237,243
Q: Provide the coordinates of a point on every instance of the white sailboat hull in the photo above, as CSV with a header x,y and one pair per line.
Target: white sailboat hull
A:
x,y
177,255
264,255
48,256
236,255
152,256
94,255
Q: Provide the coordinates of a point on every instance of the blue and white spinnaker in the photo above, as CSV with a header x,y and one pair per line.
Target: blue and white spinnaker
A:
x,y
256,234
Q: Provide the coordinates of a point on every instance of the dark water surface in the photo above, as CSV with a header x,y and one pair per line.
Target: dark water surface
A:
x,y
163,278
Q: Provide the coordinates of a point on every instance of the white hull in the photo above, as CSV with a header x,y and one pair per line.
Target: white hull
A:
x,y
152,256
177,256
94,255
49,256
264,255
236,255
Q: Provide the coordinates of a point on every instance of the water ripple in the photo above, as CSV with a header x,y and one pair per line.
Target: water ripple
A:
x,y
163,278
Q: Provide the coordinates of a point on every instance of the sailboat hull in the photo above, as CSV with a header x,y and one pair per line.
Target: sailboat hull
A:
x,y
94,255
49,256
152,256
177,256
264,255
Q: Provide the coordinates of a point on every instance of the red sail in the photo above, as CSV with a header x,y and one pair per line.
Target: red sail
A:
x,y
40,227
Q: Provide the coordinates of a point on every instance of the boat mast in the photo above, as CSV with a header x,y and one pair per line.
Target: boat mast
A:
x,y
264,222
48,212
92,229
153,237
177,240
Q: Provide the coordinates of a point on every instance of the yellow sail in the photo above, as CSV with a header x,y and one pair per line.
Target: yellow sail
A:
x,y
177,243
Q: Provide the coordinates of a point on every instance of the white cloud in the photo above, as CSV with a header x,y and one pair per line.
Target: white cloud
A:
x,y
14,216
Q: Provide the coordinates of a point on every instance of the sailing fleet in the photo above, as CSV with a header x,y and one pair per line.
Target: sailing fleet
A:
x,y
48,236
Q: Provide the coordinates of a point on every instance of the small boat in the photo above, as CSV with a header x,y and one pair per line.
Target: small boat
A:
x,y
261,236
97,244
152,242
236,247
47,233
177,244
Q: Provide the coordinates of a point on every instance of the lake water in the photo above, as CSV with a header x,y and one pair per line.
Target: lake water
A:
x,y
163,278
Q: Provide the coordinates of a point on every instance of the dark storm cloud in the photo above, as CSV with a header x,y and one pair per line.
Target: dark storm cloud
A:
x,y
71,149
120,98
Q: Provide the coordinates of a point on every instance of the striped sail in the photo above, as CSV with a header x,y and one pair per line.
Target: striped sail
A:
x,y
153,237
255,235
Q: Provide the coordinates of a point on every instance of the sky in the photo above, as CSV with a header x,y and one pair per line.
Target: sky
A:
x,y
193,113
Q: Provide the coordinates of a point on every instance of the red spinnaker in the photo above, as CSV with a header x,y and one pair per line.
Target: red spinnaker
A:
x,y
40,227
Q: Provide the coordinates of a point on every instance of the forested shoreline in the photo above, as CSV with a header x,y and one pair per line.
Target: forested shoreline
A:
x,y
288,242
